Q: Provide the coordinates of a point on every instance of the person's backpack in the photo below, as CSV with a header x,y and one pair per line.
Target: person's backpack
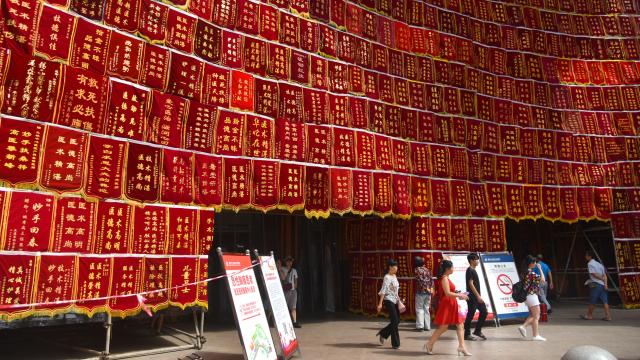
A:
x,y
519,293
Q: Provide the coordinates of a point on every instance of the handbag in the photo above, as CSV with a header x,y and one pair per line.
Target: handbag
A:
x,y
401,307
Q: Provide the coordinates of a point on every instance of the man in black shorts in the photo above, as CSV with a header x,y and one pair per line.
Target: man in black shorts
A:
x,y
475,301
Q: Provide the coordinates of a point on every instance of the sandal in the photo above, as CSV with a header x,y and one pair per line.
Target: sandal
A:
x,y
606,319
584,317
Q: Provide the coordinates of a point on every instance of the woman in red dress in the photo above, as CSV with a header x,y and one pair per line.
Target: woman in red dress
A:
x,y
447,312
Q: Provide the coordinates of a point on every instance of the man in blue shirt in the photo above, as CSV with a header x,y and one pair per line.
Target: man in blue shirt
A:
x,y
547,285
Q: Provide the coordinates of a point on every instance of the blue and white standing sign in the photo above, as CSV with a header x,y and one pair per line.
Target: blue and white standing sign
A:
x,y
501,273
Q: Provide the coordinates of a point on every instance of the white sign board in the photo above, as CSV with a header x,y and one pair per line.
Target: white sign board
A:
x,y
501,274
281,316
460,265
250,316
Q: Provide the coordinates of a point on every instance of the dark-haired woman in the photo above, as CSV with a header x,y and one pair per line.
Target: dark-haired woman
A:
x,y
447,312
532,282
388,295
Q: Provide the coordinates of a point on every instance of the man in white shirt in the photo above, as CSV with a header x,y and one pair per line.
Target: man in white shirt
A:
x,y
597,287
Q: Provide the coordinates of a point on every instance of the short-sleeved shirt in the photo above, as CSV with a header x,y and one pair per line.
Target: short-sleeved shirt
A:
x,y
472,275
532,283
545,270
596,268
389,289
424,280
290,277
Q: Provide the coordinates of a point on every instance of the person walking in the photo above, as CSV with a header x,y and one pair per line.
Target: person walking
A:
x,y
547,285
598,286
388,295
290,286
424,289
532,284
447,311
475,302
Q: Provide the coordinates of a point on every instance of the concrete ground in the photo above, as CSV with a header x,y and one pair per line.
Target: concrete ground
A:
x,y
351,337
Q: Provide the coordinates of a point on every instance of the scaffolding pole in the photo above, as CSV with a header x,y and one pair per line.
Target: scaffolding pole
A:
x,y
194,341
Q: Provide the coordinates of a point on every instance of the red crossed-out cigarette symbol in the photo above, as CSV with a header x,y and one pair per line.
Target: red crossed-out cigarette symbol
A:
x,y
505,284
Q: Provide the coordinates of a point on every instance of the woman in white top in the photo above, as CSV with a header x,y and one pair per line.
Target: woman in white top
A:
x,y
388,295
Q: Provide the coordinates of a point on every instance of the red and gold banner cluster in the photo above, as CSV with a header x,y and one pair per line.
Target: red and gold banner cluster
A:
x,y
59,249
372,241
473,109
626,230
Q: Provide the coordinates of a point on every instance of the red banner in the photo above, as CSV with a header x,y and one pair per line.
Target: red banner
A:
x,y
29,222
31,87
183,225
200,127
90,46
127,274
150,230
127,111
21,142
292,186
382,193
157,272
112,229
74,225
265,183
142,176
230,132
54,33
166,119
94,281
317,185
17,277
177,177
362,192
56,282
63,160
237,182
341,190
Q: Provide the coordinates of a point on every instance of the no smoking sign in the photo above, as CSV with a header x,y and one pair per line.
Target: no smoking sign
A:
x,y
505,284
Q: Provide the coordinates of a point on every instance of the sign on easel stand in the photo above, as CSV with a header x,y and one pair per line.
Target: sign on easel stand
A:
x,y
459,279
278,303
248,311
501,273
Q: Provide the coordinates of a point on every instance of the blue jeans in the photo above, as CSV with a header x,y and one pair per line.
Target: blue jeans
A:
x,y
423,317
597,292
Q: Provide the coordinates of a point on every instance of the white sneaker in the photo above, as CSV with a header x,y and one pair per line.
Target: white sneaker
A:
x,y
538,338
523,331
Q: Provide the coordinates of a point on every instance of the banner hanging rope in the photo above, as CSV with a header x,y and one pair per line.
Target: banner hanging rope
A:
x,y
139,296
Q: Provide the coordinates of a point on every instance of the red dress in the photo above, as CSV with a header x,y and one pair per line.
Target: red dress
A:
x,y
447,312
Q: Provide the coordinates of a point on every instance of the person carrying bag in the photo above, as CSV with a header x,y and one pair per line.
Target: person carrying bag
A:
x,y
388,295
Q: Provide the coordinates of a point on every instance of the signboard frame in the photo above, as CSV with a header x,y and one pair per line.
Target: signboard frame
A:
x,y
233,305
510,268
272,313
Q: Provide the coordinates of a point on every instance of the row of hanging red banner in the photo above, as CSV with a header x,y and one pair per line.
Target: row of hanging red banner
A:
x,y
68,160
190,77
78,99
56,283
513,28
365,237
40,222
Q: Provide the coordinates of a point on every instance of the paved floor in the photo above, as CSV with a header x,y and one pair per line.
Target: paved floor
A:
x,y
353,337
